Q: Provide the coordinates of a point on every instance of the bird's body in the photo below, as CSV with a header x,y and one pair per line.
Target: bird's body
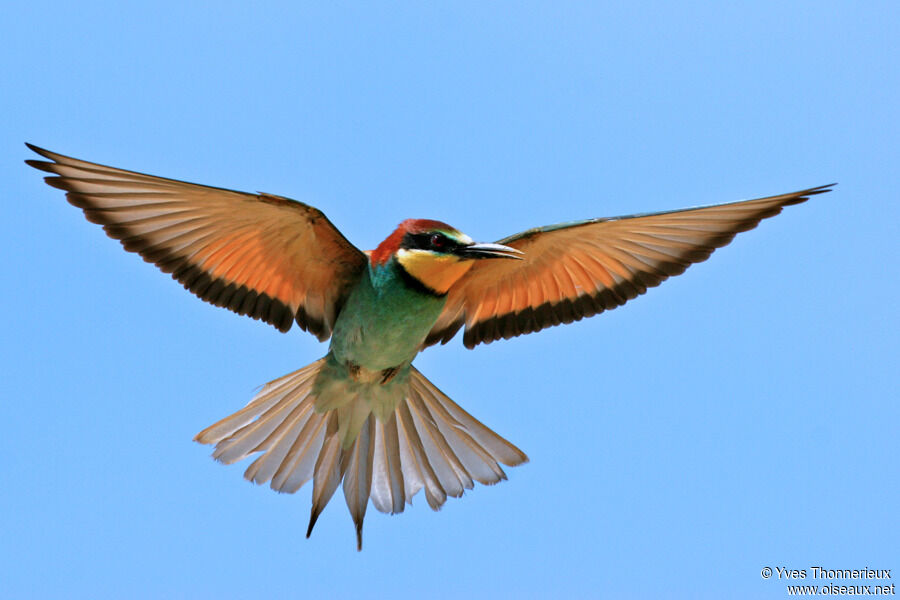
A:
x,y
378,332
362,416
384,321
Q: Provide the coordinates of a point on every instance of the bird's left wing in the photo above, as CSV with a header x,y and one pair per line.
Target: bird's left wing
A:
x,y
265,256
576,270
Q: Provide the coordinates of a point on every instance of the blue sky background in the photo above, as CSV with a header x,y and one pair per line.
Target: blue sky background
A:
x,y
742,415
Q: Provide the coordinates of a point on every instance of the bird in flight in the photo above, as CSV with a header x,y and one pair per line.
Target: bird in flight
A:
x,y
362,417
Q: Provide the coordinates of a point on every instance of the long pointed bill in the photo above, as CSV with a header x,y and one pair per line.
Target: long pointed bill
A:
x,y
490,251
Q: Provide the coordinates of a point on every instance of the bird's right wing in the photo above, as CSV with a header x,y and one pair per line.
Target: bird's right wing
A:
x,y
576,270
265,256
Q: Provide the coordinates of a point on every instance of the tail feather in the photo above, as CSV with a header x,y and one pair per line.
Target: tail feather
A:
x,y
278,444
264,433
358,475
388,487
328,471
477,460
268,396
428,442
297,467
497,447
415,463
450,472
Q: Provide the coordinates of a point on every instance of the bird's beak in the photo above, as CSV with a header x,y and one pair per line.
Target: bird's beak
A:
x,y
490,251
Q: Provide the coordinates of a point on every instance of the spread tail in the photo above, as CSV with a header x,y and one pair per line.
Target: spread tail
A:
x,y
428,442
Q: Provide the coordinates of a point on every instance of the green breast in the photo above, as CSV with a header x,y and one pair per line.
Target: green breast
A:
x,y
384,321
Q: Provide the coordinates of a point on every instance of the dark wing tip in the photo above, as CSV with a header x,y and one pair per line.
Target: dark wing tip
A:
x,y
34,148
58,182
45,153
804,195
40,165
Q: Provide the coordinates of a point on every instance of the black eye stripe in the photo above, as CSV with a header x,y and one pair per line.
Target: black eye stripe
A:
x,y
434,241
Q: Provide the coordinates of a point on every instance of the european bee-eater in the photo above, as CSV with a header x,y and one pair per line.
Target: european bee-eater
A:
x,y
362,415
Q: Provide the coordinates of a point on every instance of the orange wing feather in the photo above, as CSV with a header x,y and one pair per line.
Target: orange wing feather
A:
x,y
577,270
260,255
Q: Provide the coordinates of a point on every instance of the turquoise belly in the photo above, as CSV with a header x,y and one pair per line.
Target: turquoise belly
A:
x,y
384,321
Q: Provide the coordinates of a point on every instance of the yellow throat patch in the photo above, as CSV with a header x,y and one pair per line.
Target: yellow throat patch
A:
x,y
436,271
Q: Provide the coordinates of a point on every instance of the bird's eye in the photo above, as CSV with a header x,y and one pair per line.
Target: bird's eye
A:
x,y
438,241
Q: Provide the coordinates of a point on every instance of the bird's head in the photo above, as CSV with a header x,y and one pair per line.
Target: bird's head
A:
x,y
435,254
